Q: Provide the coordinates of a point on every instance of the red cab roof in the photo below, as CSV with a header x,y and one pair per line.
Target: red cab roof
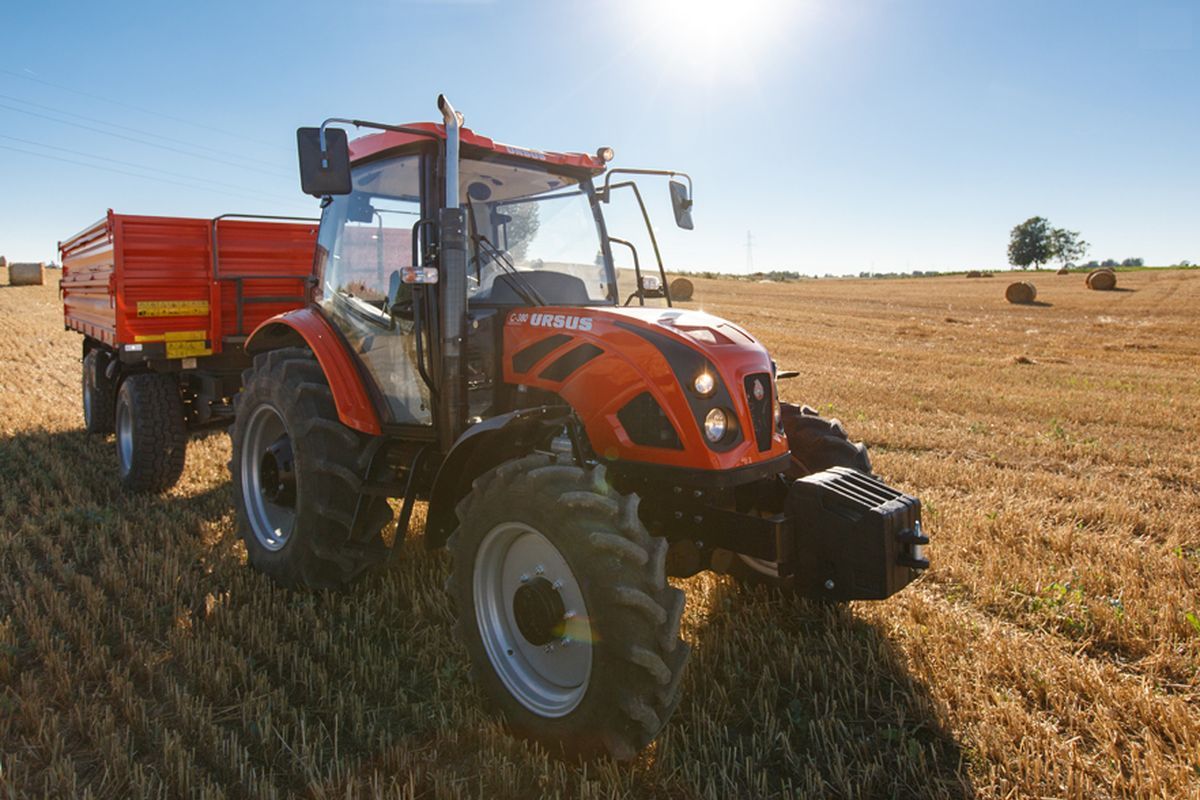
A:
x,y
378,143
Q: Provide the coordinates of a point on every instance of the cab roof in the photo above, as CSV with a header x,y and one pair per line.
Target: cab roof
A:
x,y
377,144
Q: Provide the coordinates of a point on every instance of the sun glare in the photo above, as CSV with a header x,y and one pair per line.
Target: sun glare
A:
x,y
715,40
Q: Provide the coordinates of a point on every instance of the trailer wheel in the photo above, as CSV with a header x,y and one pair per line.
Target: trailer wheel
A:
x,y
564,608
151,437
296,477
99,394
816,443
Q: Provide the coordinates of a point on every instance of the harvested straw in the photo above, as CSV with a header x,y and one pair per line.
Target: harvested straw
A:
x,y
682,289
974,274
1064,271
3,261
1102,280
1020,292
27,274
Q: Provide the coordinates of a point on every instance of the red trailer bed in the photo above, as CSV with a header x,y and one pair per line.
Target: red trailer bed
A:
x,y
164,305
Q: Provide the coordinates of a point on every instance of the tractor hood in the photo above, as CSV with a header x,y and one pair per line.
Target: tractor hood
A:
x,y
631,374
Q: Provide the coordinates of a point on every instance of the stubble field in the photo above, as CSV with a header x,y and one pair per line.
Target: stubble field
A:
x,y
1053,650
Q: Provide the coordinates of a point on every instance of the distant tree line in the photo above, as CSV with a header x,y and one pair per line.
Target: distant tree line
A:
x,y
1112,262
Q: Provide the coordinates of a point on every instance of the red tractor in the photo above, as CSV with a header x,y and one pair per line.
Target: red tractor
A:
x,y
466,344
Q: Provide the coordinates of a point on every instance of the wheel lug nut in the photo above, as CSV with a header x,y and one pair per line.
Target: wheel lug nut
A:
x,y
558,584
539,569
525,578
569,614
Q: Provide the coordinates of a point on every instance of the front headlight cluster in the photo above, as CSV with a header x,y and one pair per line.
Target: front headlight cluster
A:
x,y
716,422
715,425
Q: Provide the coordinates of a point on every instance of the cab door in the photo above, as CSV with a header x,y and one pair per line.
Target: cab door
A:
x,y
366,244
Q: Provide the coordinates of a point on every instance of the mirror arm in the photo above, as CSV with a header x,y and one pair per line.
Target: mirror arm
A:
x,y
629,171
362,123
649,229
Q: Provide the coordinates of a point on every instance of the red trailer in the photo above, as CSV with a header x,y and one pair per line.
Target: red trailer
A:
x,y
164,305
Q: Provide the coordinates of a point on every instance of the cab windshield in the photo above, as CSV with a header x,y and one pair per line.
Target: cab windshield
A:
x,y
534,237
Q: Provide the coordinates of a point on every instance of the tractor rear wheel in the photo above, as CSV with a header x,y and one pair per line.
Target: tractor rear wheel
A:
x,y
99,394
151,437
296,477
565,610
816,444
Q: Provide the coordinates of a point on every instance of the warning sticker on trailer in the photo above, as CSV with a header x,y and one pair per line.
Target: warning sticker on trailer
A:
x,y
172,308
188,349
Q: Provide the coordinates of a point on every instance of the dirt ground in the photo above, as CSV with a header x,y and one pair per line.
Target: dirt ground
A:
x,y
1053,650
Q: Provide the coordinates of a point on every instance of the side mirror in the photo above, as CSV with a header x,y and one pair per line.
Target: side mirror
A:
x,y
682,204
325,171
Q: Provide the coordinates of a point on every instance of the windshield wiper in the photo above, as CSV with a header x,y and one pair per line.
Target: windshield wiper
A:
x,y
519,284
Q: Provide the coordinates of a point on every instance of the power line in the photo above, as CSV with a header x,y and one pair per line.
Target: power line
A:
x,y
139,109
126,128
131,174
129,164
141,141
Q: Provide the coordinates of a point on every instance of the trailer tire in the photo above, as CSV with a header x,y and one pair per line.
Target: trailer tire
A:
x,y
99,394
296,477
588,661
816,444
151,438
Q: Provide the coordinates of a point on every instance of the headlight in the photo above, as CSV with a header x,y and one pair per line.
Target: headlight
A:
x,y
715,425
704,384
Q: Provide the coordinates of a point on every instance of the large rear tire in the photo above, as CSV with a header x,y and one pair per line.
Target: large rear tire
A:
x,y
565,610
816,444
296,477
99,394
151,437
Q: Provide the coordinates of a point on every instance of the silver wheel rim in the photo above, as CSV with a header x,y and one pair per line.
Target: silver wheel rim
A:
x,y
125,436
549,678
271,522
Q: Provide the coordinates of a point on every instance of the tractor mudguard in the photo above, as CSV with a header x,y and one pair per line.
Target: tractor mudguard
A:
x,y
307,327
483,446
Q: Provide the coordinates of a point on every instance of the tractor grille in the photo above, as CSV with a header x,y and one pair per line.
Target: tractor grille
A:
x,y
646,423
760,409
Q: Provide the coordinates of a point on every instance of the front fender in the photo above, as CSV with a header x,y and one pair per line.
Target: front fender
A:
x,y
483,446
309,328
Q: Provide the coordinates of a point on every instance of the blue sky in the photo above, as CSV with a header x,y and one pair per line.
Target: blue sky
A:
x,y
871,135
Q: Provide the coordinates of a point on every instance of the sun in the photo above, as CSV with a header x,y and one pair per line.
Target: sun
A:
x,y
719,41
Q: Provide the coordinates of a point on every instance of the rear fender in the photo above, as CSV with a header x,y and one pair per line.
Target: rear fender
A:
x,y
308,328
483,446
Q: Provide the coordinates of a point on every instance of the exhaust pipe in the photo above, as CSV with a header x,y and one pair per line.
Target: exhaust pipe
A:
x,y
452,224
453,120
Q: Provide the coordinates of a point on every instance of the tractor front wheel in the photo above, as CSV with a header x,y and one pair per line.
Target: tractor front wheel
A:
x,y
296,477
816,444
565,610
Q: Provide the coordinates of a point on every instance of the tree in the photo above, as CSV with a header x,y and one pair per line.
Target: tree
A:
x,y
1066,245
1133,262
1109,262
521,228
1030,243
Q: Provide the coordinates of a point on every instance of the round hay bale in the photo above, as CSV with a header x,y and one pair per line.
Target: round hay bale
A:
x,y
1064,271
1102,280
1020,292
26,274
682,289
3,261
974,274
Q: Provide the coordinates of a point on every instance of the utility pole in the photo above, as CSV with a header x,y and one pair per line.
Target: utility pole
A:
x,y
749,253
